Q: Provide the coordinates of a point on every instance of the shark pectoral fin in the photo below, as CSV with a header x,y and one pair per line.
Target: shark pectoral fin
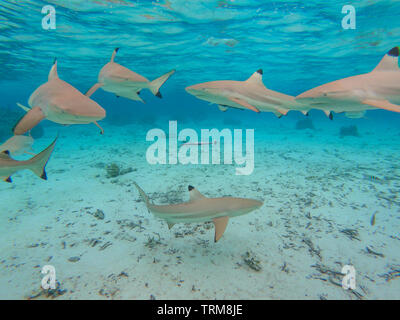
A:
x,y
170,225
244,104
30,120
382,104
101,129
328,114
23,107
283,111
278,114
220,226
222,108
93,89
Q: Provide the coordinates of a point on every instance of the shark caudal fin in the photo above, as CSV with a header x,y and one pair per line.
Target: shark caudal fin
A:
x,y
143,195
155,85
38,163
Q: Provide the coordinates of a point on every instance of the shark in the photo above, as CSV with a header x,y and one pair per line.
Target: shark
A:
x,y
202,209
126,83
378,89
18,145
36,164
250,94
58,101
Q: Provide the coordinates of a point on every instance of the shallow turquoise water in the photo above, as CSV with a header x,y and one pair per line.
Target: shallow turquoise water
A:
x,y
340,180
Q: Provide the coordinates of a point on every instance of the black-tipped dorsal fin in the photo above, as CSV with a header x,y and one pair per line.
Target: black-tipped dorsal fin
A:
x,y
195,194
5,154
53,71
256,78
114,54
390,62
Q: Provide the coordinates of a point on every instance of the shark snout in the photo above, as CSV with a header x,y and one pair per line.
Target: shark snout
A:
x,y
194,90
257,204
92,110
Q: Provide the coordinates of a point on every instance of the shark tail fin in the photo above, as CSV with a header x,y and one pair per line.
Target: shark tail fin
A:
x,y
143,195
155,85
38,163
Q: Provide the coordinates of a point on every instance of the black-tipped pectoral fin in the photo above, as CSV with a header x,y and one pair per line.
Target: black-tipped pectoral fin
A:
x,y
220,226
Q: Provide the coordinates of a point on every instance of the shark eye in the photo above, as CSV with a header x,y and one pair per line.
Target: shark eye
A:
x,y
325,94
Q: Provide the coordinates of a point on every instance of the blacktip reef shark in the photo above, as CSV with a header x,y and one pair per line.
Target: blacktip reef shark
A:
x,y
58,101
37,164
378,89
123,82
202,209
249,94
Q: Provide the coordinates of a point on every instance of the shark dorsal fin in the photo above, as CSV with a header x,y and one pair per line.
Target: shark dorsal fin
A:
x,y
5,154
53,71
390,62
114,54
195,194
256,78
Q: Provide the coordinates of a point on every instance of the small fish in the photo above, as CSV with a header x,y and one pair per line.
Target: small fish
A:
x,y
373,218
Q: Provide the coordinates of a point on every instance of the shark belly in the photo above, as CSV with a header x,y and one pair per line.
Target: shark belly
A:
x,y
126,89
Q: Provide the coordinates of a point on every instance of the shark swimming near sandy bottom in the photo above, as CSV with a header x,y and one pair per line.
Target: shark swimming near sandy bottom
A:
x,y
249,94
202,209
37,164
58,101
378,89
123,82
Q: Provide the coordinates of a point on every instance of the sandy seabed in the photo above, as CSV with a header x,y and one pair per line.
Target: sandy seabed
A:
x,y
319,193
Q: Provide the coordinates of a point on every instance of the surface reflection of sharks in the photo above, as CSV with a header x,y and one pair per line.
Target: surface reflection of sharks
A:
x,y
124,82
202,209
250,94
58,101
378,89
